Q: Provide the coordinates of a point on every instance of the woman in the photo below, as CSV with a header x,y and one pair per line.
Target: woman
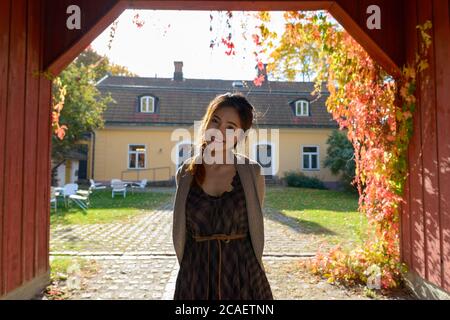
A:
x,y
218,229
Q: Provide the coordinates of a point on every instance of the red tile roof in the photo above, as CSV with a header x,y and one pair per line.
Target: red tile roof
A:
x,y
183,102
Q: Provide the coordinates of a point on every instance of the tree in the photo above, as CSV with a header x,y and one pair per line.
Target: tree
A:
x,y
79,102
341,158
101,64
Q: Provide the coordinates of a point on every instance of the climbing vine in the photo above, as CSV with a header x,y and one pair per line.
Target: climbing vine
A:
x,y
376,110
57,106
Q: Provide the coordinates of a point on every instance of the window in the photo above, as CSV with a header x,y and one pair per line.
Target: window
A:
x,y
302,108
136,157
310,158
147,104
265,156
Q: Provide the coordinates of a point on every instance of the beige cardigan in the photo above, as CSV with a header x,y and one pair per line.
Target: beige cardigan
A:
x,y
253,183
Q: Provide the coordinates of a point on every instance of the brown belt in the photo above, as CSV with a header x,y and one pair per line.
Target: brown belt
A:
x,y
219,238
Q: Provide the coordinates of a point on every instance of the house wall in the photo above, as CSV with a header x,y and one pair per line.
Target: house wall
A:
x,y
111,152
71,173
61,175
291,142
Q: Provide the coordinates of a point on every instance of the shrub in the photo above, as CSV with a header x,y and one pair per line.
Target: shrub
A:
x,y
300,180
340,159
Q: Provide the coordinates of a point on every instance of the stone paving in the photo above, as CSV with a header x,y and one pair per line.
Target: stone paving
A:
x,y
135,259
152,234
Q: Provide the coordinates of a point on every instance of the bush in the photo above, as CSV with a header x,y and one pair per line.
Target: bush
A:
x,y
340,159
300,180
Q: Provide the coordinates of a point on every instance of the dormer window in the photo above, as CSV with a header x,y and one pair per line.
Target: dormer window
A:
x,y
302,108
147,104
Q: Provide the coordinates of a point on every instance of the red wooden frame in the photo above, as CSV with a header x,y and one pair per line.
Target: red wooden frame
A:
x,y
56,64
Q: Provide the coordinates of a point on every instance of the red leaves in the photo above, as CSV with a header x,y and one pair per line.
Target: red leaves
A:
x,y
230,45
58,101
258,81
256,39
260,65
137,21
61,132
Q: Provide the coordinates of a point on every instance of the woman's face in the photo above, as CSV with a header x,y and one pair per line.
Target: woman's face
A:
x,y
223,118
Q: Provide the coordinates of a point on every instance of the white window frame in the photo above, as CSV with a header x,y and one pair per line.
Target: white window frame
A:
x,y
150,106
303,153
137,156
302,106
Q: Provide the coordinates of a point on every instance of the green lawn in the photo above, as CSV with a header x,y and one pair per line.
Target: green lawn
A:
x,y
329,214
105,209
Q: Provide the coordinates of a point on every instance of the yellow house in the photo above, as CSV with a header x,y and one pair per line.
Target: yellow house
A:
x,y
150,127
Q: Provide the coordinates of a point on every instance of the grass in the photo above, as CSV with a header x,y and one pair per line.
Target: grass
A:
x,y
332,215
61,268
105,209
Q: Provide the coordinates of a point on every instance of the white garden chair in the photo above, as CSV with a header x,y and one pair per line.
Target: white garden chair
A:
x,y
68,190
81,199
139,186
53,199
118,186
96,185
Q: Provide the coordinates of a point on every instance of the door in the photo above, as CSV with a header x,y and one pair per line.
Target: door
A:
x,y
264,154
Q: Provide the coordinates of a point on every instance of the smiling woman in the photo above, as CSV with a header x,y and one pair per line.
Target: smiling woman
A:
x,y
218,227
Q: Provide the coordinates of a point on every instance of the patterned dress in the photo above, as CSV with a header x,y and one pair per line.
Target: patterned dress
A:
x,y
219,269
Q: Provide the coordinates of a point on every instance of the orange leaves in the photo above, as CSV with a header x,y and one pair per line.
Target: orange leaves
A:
x,y
377,112
230,45
61,132
138,21
58,105
258,81
256,39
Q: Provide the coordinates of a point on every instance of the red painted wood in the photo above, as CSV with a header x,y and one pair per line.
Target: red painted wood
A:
x,y
406,219
25,106
30,143
59,37
415,168
24,146
430,166
14,148
4,68
405,227
43,178
391,24
441,12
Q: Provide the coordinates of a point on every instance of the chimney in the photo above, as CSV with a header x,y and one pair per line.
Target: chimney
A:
x,y
178,74
262,72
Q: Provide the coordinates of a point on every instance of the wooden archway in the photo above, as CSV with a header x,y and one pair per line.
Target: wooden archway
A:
x,y
34,38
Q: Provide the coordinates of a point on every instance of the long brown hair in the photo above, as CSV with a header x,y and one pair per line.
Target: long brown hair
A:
x,y
246,114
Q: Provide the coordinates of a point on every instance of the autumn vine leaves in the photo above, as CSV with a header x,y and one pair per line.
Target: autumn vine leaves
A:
x,y
376,111
58,104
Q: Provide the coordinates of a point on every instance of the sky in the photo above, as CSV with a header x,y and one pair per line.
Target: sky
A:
x,y
169,36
